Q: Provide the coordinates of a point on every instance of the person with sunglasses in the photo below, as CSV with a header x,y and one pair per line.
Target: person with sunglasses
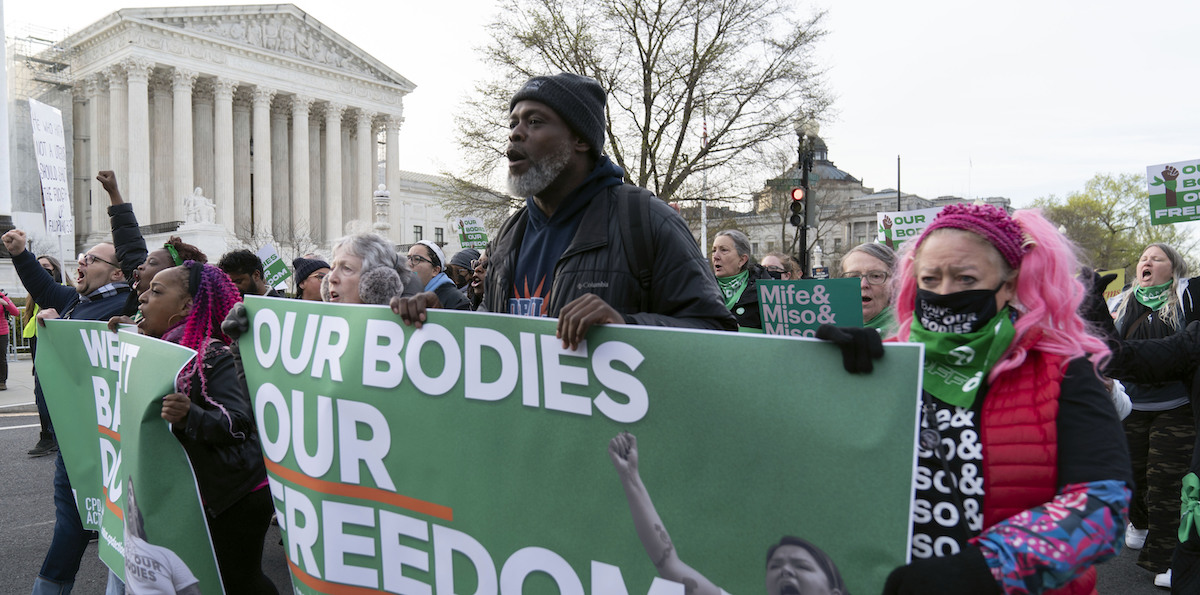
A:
x,y
872,265
99,294
427,260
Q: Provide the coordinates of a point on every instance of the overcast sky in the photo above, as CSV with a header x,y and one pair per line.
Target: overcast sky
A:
x,y
1019,99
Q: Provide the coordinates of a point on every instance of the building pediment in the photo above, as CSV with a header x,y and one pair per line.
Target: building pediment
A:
x,y
281,29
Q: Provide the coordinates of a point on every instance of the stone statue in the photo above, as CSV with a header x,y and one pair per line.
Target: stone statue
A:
x,y
198,209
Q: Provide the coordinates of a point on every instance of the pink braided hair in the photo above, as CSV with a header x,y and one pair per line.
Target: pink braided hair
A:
x,y
212,299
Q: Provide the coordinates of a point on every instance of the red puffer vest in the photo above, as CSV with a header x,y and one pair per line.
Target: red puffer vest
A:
x,y
1019,434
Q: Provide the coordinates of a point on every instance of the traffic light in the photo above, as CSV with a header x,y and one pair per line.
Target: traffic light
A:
x,y
797,218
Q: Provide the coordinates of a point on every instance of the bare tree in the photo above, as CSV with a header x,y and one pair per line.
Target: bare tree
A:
x,y
742,69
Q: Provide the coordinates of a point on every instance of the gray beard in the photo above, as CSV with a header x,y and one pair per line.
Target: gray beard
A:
x,y
541,173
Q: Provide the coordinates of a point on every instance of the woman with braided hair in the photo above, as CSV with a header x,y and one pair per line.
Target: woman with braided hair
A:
x,y
212,417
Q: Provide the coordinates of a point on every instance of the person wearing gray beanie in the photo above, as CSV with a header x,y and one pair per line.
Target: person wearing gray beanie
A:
x,y
460,268
587,248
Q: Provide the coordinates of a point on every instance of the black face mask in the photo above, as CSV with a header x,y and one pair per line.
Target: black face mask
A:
x,y
961,313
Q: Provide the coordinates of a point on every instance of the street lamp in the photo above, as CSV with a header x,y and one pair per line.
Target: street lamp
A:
x,y
804,150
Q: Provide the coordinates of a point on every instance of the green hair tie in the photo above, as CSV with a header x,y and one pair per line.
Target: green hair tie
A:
x,y
174,254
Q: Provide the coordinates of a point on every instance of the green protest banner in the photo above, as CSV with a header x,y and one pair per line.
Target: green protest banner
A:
x,y
799,306
1174,192
109,428
275,270
471,233
167,498
897,226
472,455
78,363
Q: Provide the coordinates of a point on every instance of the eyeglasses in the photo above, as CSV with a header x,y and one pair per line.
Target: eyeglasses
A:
x,y
775,269
90,259
873,277
415,258
479,263
318,276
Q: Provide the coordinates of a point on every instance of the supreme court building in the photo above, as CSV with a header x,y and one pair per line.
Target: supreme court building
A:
x,y
284,127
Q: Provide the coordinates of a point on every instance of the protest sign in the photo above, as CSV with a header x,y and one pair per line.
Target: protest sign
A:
x,y
895,227
275,270
1114,288
50,149
472,455
110,431
1174,190
798,307
471,233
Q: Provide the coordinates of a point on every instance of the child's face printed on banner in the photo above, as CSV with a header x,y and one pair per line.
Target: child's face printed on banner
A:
x,y
1154,267
165,303
793,571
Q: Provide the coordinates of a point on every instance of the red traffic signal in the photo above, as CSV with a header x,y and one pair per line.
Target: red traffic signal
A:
x,y
797,194
797,207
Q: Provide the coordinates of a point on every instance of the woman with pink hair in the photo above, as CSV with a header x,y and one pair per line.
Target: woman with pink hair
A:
x,y
212,417
1023,480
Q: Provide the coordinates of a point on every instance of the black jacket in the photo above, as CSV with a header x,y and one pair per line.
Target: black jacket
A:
x,y
682,292
130,247
221,442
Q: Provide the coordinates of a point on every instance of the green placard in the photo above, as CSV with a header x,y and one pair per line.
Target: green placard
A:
x,y
472,455
1174,192
798,307
275,270
471,233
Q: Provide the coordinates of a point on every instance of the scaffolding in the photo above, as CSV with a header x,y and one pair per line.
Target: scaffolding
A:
x,y
39,62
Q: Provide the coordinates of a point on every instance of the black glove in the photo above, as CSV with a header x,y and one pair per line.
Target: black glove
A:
x,y
964,573
860,346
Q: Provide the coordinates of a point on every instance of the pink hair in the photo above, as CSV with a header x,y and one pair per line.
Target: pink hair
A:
x,y
215,295
1048,297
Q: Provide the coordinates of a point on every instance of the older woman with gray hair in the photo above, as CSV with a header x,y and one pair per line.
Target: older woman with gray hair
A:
x,y
872,264
737,274
366,269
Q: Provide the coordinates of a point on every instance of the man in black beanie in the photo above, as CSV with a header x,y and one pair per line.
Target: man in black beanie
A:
x,y
309,273
586,248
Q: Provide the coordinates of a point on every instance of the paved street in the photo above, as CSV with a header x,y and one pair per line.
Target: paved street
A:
x,y
27,511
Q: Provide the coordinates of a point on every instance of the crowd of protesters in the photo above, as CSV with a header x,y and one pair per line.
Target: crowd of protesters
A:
x,y
1032,514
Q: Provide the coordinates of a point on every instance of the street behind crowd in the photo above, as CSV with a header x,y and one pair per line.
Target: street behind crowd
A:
x,y
27,512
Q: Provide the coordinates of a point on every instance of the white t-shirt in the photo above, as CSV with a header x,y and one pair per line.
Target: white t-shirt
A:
x,y
154,570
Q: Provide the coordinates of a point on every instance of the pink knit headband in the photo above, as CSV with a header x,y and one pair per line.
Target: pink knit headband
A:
x,y
992,223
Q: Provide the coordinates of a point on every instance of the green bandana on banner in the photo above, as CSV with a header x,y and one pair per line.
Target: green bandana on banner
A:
x,y
472,455
1155,296
953,368
732,287
120,396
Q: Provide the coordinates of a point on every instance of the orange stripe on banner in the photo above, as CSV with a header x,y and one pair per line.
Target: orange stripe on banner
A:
x,y
361,492
324,586
108,432
113,507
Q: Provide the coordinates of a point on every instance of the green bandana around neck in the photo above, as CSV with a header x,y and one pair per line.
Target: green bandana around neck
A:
x,y
732,287
1155,296
884,322
955,364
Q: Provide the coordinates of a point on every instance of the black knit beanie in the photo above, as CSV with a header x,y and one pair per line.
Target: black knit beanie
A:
x,y
307,266
578,100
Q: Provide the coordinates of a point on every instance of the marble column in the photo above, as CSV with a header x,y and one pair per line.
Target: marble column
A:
x,y
281,220
349,205
333,171
118,126
241,164
222,192
261,139
301,175
79,159
162,130
202,141
392,162
98,156
137,190
182,169
315,214
366,161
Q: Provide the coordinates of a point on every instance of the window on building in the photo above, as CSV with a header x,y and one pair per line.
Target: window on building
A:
x,y
770,245
439,236
418,233
754,247
837,244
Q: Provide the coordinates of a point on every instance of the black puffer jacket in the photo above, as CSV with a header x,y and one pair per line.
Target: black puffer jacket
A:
x,y
746,309
221,442
683,291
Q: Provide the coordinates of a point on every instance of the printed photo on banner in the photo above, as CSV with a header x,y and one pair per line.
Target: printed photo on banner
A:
x,y
476,454
896,227
1174,190
798,307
